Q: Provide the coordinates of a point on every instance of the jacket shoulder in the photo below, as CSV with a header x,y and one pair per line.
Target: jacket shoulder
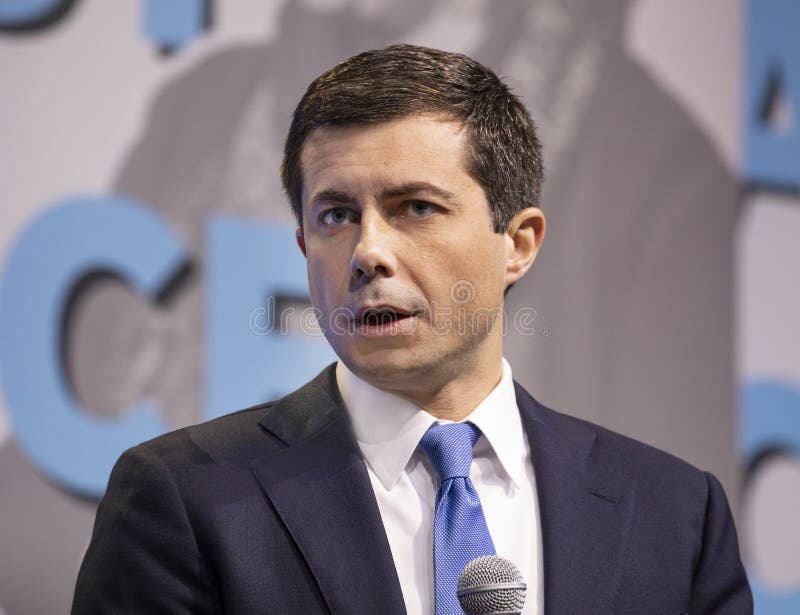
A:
x,y
616,455
243,435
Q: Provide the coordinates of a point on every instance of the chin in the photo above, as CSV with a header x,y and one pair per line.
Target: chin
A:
x,y
385,366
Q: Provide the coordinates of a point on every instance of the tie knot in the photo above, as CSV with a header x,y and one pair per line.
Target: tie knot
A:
x,y
449,448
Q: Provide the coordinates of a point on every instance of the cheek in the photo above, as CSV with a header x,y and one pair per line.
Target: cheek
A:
x,y
316,277
435,271
326,280
481,274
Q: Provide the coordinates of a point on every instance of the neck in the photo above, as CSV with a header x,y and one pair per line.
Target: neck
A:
x,y
452,396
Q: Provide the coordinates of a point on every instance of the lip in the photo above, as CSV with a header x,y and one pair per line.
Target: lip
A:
x,y
394,328
405,324
377,308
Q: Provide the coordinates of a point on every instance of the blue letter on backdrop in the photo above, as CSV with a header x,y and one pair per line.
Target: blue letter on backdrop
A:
x,y
74,238
248,358
18,14
770,420
170,24
772,72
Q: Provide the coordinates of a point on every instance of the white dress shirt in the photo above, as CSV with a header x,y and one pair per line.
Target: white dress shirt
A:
x,y
389,429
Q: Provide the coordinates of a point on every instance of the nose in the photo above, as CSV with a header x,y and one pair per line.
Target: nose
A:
x,y
373,255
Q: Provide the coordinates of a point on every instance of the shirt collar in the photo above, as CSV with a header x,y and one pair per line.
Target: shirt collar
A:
x,y
389,428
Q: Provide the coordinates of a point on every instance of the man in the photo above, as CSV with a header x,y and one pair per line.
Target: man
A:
x,y
415,178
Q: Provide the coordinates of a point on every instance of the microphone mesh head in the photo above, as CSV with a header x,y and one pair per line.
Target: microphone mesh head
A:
x,y
491,584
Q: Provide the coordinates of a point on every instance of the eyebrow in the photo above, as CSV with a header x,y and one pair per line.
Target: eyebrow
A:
x,y
393,192
332,196
414,188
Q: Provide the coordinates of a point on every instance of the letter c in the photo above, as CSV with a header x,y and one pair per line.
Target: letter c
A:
x,y
71,239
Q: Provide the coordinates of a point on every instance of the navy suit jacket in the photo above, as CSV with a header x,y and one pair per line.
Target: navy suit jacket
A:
x,y
270,510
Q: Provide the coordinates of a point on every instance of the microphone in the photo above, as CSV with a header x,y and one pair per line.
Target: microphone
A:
x,y
491,585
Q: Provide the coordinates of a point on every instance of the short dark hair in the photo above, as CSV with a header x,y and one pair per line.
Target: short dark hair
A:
x,y
504,154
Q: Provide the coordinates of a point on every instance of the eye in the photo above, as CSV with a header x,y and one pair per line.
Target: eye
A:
x,y
421,209
337,215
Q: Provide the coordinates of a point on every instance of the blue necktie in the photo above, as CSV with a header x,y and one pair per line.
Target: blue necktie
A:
x,y
459,531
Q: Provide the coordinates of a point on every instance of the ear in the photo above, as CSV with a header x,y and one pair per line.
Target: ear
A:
x,y
301,243
524,237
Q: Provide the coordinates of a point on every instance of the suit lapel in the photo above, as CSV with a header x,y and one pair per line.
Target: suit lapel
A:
x,y
586,512
319,486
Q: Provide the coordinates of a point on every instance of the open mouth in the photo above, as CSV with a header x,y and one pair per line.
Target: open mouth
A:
x,y
381,316
384,320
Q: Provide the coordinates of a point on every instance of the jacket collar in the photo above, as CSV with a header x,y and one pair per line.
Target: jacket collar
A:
x,y
319,486
586,509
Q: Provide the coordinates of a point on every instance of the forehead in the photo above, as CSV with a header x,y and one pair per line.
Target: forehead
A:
x,y
360,159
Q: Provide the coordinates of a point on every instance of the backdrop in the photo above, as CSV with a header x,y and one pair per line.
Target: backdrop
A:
x,y
149,277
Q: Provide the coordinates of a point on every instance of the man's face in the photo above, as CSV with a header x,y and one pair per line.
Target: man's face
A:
x,y
403,262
